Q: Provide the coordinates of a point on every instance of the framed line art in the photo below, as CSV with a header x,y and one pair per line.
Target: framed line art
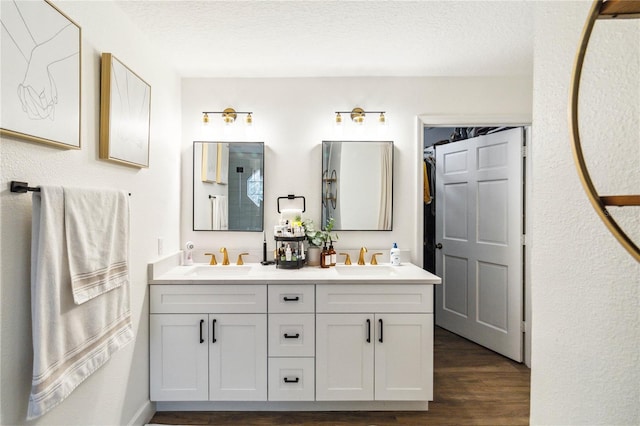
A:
x,y
41,70
125,113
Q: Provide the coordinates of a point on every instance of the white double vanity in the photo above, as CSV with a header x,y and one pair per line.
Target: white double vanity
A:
x,y
256,337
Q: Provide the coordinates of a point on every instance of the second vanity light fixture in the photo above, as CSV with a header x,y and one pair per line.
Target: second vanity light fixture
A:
x,y
229,116
358,114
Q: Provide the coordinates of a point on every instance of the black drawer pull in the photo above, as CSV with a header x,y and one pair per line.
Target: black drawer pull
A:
x,y
213,331
380,321
368,330
290,336
287,380
291,299
201,323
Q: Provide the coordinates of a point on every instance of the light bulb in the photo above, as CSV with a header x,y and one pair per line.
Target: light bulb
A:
x,y
248,120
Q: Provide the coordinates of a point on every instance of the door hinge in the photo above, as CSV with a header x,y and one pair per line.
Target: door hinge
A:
x,y
524,151
523,327
523,239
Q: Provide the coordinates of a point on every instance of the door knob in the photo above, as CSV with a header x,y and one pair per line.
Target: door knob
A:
x,y
439,246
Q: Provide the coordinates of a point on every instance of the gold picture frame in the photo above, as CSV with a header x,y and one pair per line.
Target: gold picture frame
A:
x,y
125,114
41,74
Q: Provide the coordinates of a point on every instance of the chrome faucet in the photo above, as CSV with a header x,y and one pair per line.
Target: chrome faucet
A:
x,y
225,256
363,250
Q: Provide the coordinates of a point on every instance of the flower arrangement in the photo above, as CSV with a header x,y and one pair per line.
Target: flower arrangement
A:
x,y
318,237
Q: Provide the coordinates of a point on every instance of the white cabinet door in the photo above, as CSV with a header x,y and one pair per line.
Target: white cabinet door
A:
x,y
178,357
404,357
344,357
238,357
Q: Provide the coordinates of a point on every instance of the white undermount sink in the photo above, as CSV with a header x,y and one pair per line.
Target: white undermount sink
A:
x,y
218,270
366,270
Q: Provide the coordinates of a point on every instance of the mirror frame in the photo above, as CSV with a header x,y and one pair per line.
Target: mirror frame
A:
x,y
198,168
328,177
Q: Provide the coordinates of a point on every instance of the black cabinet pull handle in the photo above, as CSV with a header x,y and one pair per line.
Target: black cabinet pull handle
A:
x,y
291,299
213,331
368,330
287,380
380,321
201,323
290,336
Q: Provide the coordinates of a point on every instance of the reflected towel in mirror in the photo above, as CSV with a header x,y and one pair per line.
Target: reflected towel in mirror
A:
x,y
219,213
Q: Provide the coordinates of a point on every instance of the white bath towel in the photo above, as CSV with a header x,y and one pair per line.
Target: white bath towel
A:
x,y
70,341
219,213
97,231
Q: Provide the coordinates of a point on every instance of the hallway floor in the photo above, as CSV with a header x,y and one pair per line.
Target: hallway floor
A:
x,y
472,386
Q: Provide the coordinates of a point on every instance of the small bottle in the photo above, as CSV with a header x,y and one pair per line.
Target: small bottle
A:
x,y
394,255
287,253
333,255
325,257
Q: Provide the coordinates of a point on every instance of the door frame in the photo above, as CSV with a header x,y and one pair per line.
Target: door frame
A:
x,y
474,120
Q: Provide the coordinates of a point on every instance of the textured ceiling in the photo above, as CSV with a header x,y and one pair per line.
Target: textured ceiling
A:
x,y
339,38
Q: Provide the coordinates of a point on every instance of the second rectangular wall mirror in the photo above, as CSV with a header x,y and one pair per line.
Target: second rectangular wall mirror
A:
x,y
357,185
228,186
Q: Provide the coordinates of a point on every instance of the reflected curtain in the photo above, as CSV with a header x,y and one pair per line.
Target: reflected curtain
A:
x,y
386,167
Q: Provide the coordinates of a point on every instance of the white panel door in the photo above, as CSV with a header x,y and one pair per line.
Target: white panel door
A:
x,y
238,357
479,210
344,357
404,357
178,357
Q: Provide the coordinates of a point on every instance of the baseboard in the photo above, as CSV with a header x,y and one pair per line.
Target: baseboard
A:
x,y
143,415
293,406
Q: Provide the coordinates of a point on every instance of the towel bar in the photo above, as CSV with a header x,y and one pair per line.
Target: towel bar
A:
x,y
23,187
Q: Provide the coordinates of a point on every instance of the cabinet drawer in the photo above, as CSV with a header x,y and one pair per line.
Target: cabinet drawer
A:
x,y
363,298
291,298
291,379
291,335
188,298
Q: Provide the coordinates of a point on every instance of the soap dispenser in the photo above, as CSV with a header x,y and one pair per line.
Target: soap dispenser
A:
x,y
394,255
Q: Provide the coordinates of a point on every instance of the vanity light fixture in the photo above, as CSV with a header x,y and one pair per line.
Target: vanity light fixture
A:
x,y
358,114
229,116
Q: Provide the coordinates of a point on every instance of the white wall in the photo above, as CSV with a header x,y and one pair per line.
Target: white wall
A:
x,y
293,116
586,288
118,392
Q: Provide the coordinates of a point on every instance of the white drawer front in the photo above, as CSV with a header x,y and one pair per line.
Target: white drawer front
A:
x,y
291,298
363,298
291,379
292,335
188,298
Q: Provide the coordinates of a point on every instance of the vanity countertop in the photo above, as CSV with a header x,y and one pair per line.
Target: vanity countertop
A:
x,y
255,273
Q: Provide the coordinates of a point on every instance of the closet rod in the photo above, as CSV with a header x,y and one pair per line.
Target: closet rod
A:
x,y
23,187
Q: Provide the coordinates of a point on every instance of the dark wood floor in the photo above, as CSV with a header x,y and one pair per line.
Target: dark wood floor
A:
x,y
472,386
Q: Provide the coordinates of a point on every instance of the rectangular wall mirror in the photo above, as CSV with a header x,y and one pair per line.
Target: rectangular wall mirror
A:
x,y
357,185
228,186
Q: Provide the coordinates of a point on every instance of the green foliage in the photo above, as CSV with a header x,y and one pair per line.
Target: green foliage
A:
x,y
318,237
